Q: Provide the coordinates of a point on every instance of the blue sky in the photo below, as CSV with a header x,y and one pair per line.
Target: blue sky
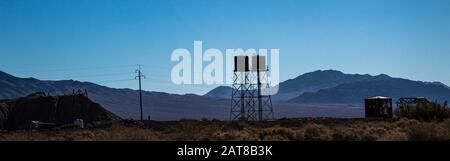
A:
x,y
102,40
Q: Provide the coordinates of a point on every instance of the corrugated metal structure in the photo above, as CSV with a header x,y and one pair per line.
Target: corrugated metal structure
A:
x,y
378,107
411,103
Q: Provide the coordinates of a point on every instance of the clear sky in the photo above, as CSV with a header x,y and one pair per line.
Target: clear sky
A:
x,y
102,40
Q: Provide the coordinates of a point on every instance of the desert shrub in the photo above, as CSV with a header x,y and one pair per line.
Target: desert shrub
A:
x,y
225,136
430,131
192,131
394,135
82,135
31,136
404,122
247,134
426,111
278,133
315,132
400,130
127,134
446,124
183,131
356,134
235,125
115,133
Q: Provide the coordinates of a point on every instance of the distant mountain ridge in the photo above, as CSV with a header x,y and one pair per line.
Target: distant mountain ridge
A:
x,y
308,82
123,102
395,88
331,86
318,80
304,95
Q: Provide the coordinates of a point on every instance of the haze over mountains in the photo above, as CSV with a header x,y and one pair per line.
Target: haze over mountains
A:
x,y
326,93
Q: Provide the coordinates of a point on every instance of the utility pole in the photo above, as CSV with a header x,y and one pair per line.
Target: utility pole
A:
x,y
140,76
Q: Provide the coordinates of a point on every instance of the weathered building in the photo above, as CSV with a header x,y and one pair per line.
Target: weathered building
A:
x,y
411,103
378,107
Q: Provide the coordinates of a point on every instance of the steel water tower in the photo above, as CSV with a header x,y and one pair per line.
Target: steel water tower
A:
x,y
250,98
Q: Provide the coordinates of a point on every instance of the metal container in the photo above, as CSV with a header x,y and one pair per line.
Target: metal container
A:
x,y
378,107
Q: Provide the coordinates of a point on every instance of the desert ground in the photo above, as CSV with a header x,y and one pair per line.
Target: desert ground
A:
x,y
305,129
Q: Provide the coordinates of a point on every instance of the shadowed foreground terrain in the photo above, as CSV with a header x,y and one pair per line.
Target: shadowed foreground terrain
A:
x,y
283,130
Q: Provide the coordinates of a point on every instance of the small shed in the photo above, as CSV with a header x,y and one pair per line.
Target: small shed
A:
x,y
378,107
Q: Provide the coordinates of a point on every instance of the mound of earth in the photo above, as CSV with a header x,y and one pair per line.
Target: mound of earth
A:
x,y
59,110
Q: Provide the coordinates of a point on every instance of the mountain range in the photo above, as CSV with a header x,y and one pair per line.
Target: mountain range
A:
x,y
324,93
122,102
331,86
307,83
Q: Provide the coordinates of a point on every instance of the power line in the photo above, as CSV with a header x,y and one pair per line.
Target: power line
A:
x,y
90,76
56,69
113,81
90,69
